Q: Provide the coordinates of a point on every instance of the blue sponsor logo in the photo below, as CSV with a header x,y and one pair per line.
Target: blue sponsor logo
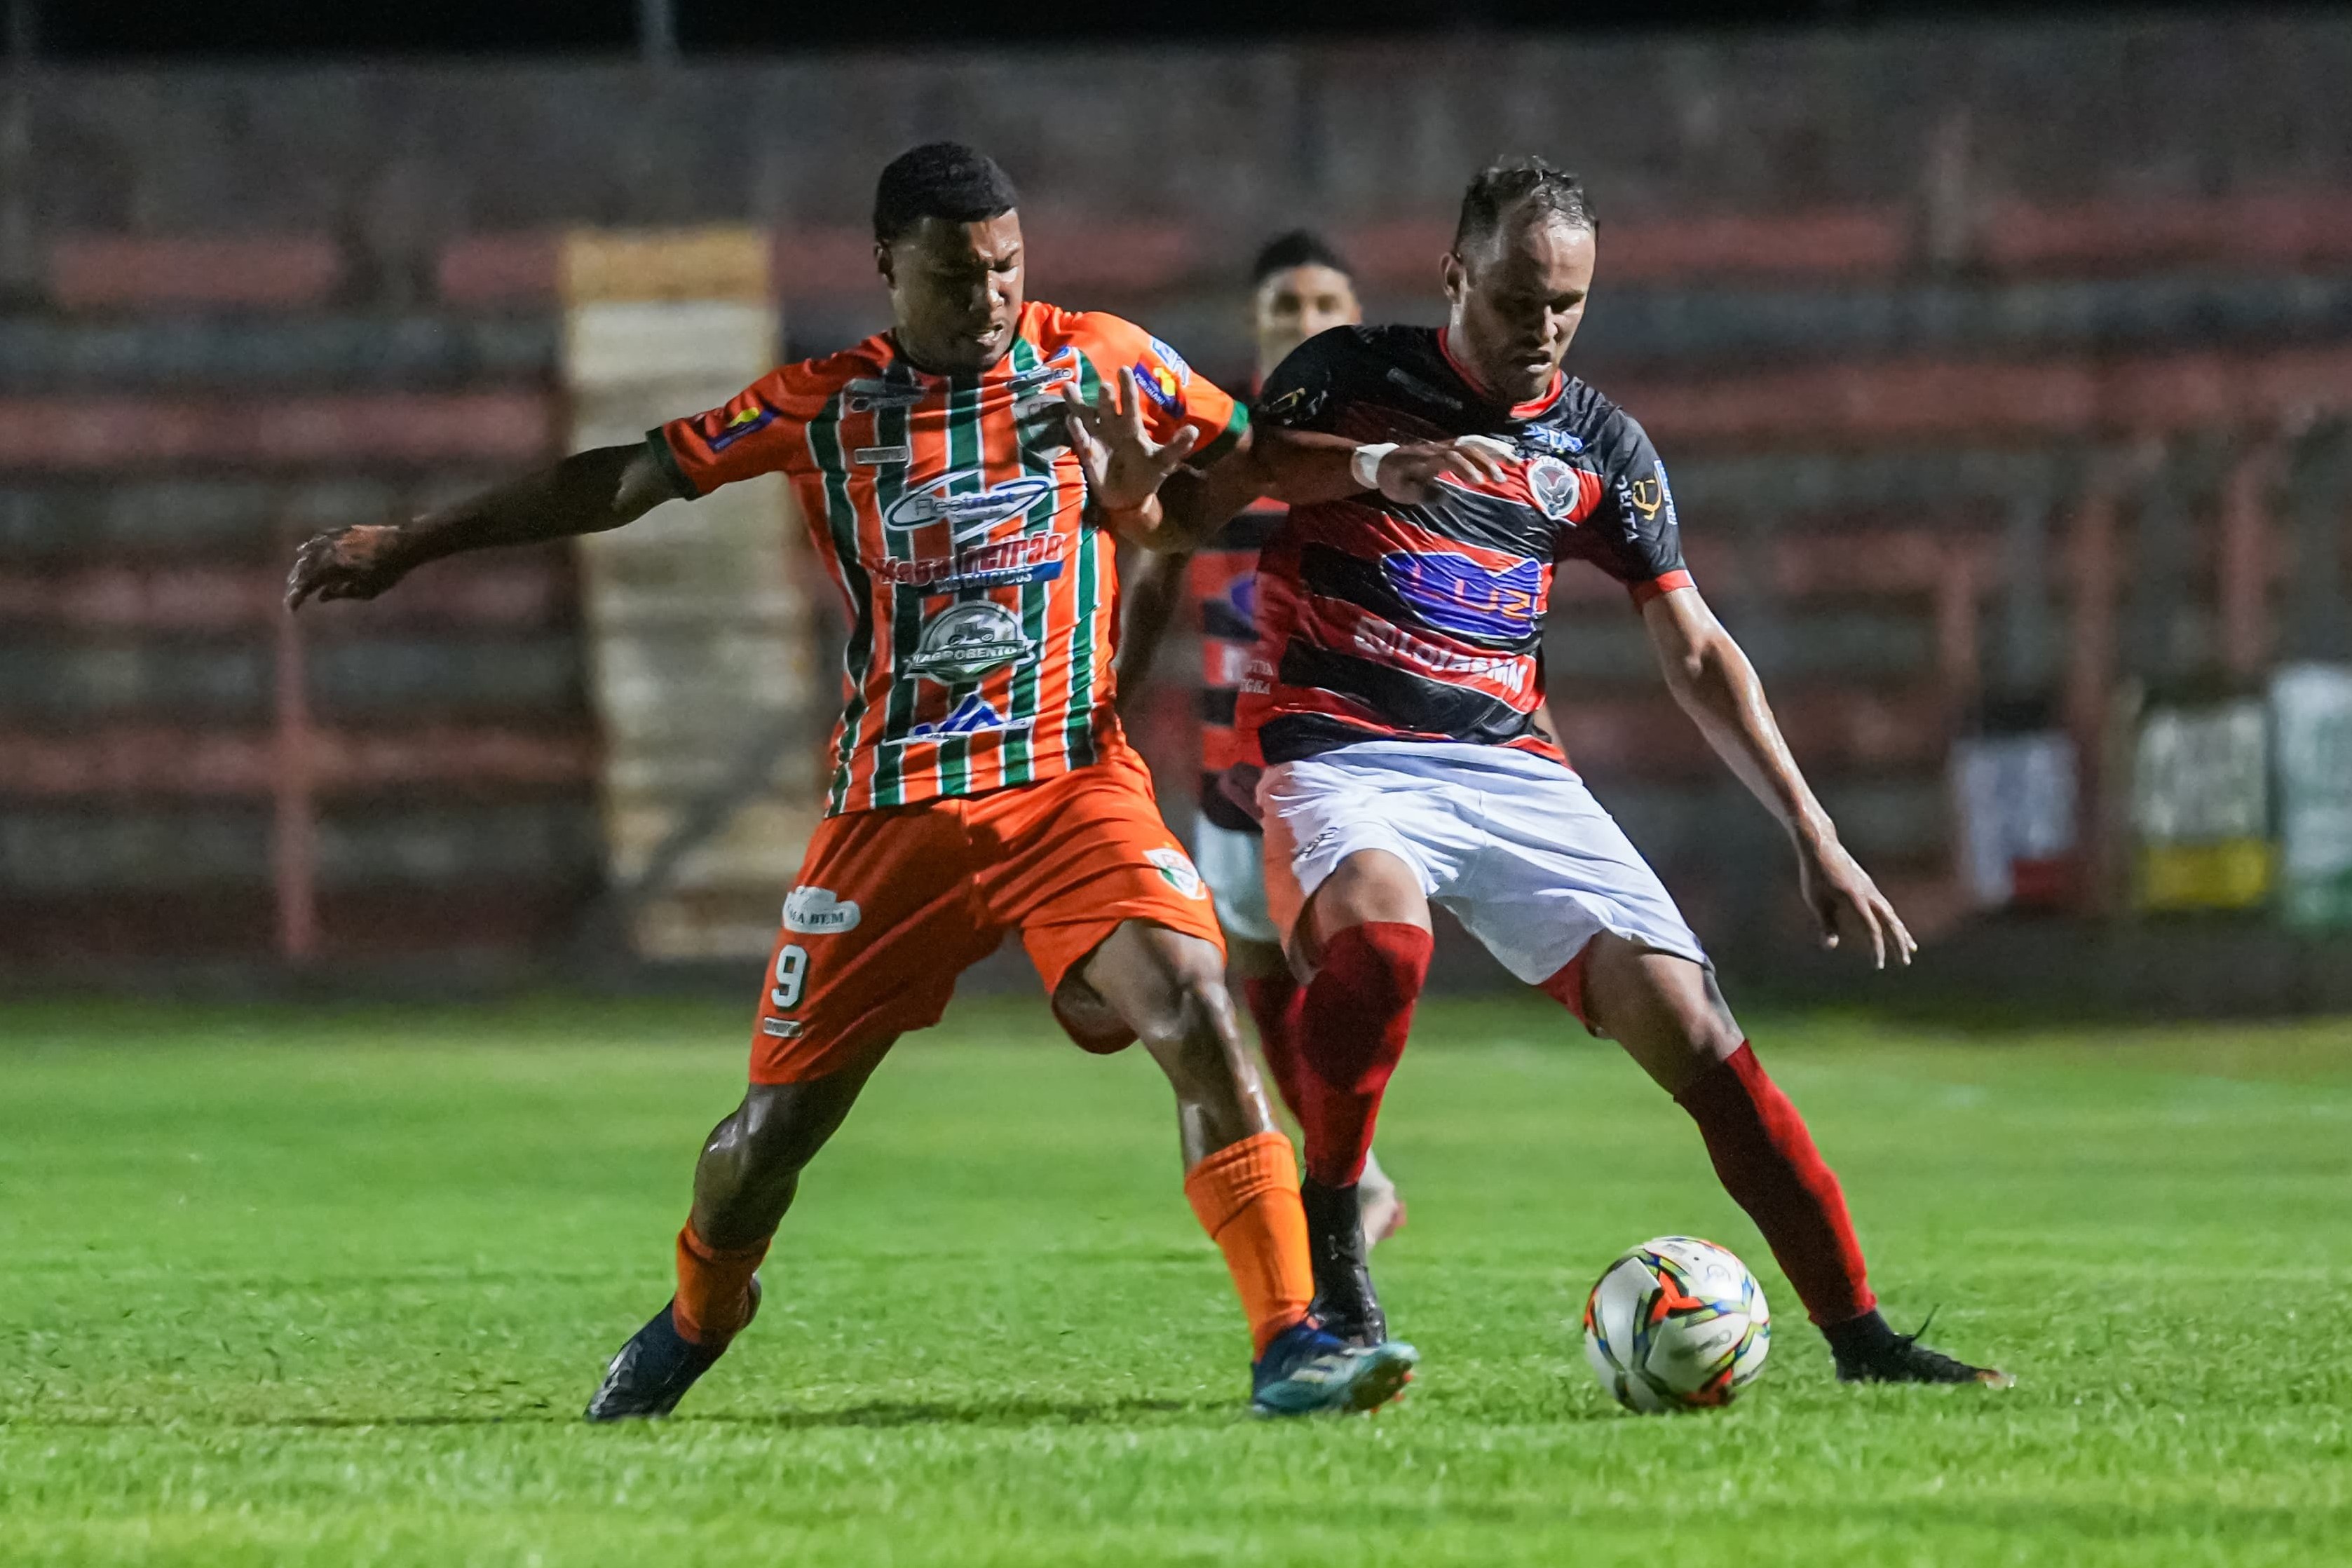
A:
x,y
1243,597
973,716
1456,595
1552,439
1160,384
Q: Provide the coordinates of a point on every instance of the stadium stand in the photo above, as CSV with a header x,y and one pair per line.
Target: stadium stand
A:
x,y
1953,431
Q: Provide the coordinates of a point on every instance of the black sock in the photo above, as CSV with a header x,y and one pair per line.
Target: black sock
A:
x,y
1859,1339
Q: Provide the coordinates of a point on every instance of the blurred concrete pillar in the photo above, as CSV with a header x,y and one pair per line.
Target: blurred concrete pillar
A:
x,y
702,664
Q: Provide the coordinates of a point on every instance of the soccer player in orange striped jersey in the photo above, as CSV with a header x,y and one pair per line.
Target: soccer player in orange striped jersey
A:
x,y
981,782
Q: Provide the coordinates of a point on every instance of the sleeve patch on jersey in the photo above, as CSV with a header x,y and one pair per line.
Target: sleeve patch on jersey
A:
x,y
720,430
1173,360
1160,384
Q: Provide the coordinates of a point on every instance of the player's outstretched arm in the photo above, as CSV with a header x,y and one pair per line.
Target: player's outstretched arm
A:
x,y
585,494
1715,684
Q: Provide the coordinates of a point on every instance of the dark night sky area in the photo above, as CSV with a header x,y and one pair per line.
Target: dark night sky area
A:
x,y
134,29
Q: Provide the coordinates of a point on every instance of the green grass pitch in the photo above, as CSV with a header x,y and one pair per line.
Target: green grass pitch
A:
x,y
332,1287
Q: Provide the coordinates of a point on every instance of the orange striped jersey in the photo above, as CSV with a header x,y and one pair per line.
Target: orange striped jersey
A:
x,y
983,605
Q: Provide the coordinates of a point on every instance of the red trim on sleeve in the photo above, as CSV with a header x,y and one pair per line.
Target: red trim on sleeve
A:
x,y
1645,591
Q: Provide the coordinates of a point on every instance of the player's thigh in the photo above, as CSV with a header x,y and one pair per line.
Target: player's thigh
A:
x,y
1371,884
1068,863
1665,1009
1350,839
873,933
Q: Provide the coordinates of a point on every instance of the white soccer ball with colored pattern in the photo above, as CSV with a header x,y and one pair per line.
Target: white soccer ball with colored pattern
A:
x,y
1677,1323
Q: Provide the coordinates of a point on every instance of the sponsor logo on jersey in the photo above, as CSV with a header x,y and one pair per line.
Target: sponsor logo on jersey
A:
x,y
866,393
1552,439
1400,377
1060,368
878,456
970,514
964,643
1396,643
720,430
1033,558
1160,384
1456,595
1173,360
818,912
1177,871
1553,485
973,716
1658,497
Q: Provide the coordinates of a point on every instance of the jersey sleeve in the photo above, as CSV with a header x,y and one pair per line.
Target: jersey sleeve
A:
x,y
1173,395
1634,526
748,435
1298,395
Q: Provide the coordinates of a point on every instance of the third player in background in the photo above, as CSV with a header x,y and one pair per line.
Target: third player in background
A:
x,y
1299,287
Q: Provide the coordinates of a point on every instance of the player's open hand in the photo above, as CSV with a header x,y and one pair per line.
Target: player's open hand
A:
x,y
1409,473
1844,899
357,562
1124,466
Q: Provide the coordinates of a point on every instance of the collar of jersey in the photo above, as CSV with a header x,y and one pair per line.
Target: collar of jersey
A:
x,y
1528,410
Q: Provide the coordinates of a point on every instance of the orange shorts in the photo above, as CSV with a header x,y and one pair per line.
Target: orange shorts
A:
x,y
893,904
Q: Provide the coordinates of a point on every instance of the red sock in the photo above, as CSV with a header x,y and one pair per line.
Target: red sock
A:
x,y
1351,1032
1767,1161
1275,1002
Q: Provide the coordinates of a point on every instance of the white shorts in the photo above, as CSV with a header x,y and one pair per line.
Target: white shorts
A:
x,y
1513,845
1233,865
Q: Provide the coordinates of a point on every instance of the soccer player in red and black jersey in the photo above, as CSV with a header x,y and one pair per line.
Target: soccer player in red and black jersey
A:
x,y
1399,670
1300,288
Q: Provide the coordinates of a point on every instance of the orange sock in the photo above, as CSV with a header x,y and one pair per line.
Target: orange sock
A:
x,y
1246,1196
714,1288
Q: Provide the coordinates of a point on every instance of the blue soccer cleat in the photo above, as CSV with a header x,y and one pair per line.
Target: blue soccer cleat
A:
x,y
1307,1371
656,1368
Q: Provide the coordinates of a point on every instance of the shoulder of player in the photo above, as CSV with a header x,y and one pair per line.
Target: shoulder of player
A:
x,y
1608,434
1097,332
800,390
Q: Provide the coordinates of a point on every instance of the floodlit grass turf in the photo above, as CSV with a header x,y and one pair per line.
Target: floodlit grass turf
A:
x,y
332,1286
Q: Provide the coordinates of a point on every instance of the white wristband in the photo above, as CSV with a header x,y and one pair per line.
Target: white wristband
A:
x,y
1364,464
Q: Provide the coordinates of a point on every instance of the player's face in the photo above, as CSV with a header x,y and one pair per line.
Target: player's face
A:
x,y
1295,303
1518,299
955,291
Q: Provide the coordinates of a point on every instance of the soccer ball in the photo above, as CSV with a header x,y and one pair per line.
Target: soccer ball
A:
x,y
1677,1323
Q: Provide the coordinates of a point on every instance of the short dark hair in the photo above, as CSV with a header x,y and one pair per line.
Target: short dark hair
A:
x,y
1299,247
939,180
1507,182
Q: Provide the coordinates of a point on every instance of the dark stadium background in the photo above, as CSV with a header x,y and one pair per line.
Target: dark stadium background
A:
x,y
2001,354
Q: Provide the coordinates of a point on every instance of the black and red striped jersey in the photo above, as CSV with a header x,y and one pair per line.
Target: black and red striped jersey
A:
x,y
1383,621
1221,581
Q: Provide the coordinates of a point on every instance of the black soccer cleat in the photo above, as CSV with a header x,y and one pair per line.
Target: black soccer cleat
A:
x,y
1345,1303
656,1368
1867,1351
